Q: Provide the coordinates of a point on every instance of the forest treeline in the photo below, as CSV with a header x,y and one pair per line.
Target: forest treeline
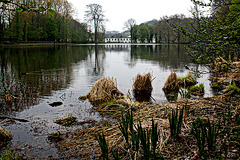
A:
x,y
25,25
218,29
162,31
209,35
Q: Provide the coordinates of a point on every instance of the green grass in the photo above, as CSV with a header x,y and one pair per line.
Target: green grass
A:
x,y
233,87
197,88
103,145
175,121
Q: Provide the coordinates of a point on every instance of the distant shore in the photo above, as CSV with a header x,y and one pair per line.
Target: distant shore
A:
x,y
32,44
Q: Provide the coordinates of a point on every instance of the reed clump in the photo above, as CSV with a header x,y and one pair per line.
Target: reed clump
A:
x,y
142,87
171,85
187,81
197,89
103,90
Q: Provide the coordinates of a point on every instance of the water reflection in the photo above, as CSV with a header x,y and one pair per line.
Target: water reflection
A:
x,y
39,75
30,73
164,55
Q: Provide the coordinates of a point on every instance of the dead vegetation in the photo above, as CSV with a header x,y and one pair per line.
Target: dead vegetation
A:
x,y
171,85
142,87
103,90
5,135
225,74
83,143
69,120
222,111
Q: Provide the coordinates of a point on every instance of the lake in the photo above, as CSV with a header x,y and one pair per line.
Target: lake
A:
x,y
37,76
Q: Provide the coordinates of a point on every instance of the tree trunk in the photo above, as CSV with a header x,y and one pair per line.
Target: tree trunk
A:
x,y
25,30
96,35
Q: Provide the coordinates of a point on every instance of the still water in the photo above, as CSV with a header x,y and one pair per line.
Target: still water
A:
x,y
38,76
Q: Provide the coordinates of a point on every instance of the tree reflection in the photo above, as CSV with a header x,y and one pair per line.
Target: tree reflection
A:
x,y
31,73
96,61
165,55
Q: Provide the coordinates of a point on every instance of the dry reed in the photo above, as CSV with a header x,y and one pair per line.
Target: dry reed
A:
x,y
5,135
142,87
171,85
104,90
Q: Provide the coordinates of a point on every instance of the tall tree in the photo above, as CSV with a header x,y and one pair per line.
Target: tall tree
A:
x,y
95,15
143,33
52,30
129,25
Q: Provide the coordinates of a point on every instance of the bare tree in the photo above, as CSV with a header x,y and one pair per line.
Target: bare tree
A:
x,y
94,14
129,24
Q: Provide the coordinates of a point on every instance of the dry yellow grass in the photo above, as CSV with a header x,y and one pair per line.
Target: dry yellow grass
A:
x,y
104,90
142,87
143,82
171,85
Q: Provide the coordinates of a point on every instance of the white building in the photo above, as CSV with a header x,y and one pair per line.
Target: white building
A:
x,y
115,37
125,37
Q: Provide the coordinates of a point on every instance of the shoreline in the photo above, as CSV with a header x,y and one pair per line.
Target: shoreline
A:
x,y
32,44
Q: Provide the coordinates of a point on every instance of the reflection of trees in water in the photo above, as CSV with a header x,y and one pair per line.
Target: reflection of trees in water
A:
x,y
95,61
165,55
30,73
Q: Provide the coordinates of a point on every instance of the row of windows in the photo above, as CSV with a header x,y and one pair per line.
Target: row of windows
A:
x,y
118,39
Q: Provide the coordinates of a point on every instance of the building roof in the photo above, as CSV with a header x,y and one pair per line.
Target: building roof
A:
x,y
117,35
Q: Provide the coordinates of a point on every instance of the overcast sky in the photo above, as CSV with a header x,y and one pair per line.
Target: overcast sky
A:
x,y
119,11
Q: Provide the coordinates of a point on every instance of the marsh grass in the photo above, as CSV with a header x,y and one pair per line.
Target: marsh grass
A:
x,y
142,87
167,148
103,145
126,125
10,155
175,120
103,90
205,132
187,80
171,85
197,89
5,135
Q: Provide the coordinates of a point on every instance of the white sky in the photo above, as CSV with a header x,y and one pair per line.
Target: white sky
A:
x,y
119,11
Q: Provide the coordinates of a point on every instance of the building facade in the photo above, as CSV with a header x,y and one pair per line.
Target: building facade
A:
x,y
115,37
125,37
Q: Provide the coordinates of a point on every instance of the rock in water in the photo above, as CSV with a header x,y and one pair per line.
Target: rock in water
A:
x,y
55,104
